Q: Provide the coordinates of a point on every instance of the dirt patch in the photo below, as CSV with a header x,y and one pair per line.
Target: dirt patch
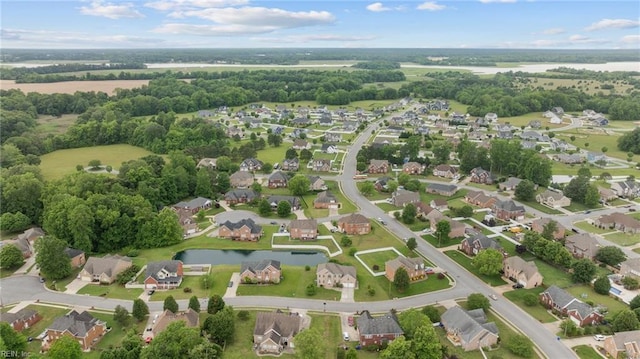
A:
x,y
70,87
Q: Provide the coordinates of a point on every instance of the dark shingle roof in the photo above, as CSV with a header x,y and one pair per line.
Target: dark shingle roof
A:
x,y
22,314
468,324
245,222
72,252
169,267
386,324
259,265
442,187
78,324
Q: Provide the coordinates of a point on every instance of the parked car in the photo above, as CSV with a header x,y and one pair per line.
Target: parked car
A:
x,y
632,209
42,280
517,286
230,284
599,337
493,296
151,291
350,321
273,222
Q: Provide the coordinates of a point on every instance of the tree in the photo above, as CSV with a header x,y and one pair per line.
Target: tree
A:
x,y
52,259
630,283
206,350
630,141
305,155
549,229
488,261
121,315
309,344
401,279
635,302
441,152
284,209
392,186
367,188
530,299
625,320
412,243
345,241
525,191
194,303
443,228
65,347
425,343
409,213
521,346
274,140
299,185
175,341
465,211
170,304
351,354
10,257
412,319
291,154
602,285
399,348
215,304
264,208
220,327
12,340
431,312
257,187
611,255
204,183
591,196
140,309
478,300
583,270
95,164
267,167
14,222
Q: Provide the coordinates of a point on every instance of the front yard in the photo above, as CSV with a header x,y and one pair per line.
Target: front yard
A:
x,y
465,262
590,228
113,291
217,282
623,239
537,311
293,284
444,242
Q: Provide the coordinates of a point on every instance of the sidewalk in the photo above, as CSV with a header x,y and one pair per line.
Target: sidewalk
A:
x,y
31,261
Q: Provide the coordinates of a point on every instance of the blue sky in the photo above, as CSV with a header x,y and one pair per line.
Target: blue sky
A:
x,y
544,24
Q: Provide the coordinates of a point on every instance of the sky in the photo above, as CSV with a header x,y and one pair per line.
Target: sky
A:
x,y
535,24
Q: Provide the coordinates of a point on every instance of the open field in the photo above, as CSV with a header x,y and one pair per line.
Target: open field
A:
x,y
591,87
537,311
55,125
273,155
523,120
70,87
293,284
59,163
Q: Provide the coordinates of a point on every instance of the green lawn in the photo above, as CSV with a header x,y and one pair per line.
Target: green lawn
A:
x,y
254,208
61,284
578,207
115,336
217,281
318,242
537,311
541,208
586,352
273,155
378,258
56,164
376,196
48,314
623,239
387,207
612,304
590,228
550,274
294,283
445,242
114,291
418,225
465,262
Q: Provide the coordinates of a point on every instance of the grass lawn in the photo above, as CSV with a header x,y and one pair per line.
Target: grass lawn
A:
x,y
48,314
623,239
590,228
578,207
330,327
114,291
376,196
318,242
465,262
253,208
61,284
347,206
541,208
551,274
612,304
418,225
56,164
537,311
294,283
218,280
586,352
115,336
445,242
213,211
387,207
378,258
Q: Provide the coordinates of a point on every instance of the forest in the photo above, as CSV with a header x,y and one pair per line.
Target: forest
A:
x,y
30,74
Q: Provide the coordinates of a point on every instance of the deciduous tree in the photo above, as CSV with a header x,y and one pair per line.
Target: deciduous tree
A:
x,y
215,304
602,285
284,209
194,303
488,261
520,345
611,255
65,347
411,243
309,344
299,185
478,300
401,279
525,191
409,213
400,348
583,270
220,326
425,343
443,228
10,257
13,341
367,188
411,320
170,304
121,315
51,258
625,320
140,309
176,341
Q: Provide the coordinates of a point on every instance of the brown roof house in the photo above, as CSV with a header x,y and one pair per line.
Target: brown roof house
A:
x,y
445,171
336,275
354,224
510,184
243,230
506,210
290,164
623,345
480,199
473,245
441,189
299,144
619,221
326,200
378,166
187,222
82,327
401,197
278,179
164,274
22,319
190,317
241,179
553,199
469,329
414,267
207,163
274,331
105,269
525,273
316,183
378,330
479,175
264,271
413,168
303,229
240,195
582,245
631,267
321,165
538,226
439,204
457,228
21,243
566,304
195,205
626,189
606,194
76,256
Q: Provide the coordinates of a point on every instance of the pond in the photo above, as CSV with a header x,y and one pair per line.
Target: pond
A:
x,y
236,256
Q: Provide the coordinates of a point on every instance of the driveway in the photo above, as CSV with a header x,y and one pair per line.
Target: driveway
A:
x,y
231,291
347,295
75,286
344,324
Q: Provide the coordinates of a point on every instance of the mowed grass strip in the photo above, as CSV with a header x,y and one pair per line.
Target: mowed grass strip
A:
x,y
114,291
586,352
59,163
537,311
465,262
293,284
296,242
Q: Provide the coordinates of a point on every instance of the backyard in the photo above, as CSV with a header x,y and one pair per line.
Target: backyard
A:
x,y
377,260
48,314
587,294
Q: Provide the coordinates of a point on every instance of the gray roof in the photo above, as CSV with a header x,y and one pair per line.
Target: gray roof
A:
x,y
440,187
252,162
293,201
22,314
72,253
326,146
509,205
325,197
278,176
512,182
197,202
169,267
563,299
98,266
337,269
244,222
237,194
386,324
621,339
484,241
278,323
259,265
78,324
468,324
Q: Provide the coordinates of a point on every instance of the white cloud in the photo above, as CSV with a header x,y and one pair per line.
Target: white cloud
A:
x,y
313,38
554,31
606,24
167,5
110,10
631,39
578,38
378,7
68,39
431,6
497,1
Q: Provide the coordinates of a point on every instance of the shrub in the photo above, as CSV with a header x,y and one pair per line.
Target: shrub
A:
x,y
371,291
311,290
375,267
353,251
133,253
346,241
432,313
307,268
441,275
243,315
187,290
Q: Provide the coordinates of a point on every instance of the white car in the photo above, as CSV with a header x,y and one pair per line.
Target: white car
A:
x,y
493,296
599,337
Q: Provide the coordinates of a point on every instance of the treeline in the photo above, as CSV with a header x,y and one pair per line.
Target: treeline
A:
x,y
630,77
377,65
23,74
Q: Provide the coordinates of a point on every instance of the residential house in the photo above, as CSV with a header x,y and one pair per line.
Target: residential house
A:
x,y
480,199
553,199
441,189
626,189
469,329
290,164
413,266
457,228
22,319
623,345
505,135
329,148
207,163
76,256
326,200
274,331
606,194
354,224
539,224
164,274
631,267
332,137
300,144
528,145
597,157
506,210
525,273
186,221
264,271
558,110
240,195
297,132
491,117
301,122
582,245
303,229
195,205
619,221
535,124
104,269
413,168
568,159
234,131
321,165
32,234
278,179
439,204
274,200
510,184
401,197
190,317
381,183
326,120
251,165
423,209
473,245
478,175
82,327
243,230
378,330
316,183
564,303
378,166
241,179
333,274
